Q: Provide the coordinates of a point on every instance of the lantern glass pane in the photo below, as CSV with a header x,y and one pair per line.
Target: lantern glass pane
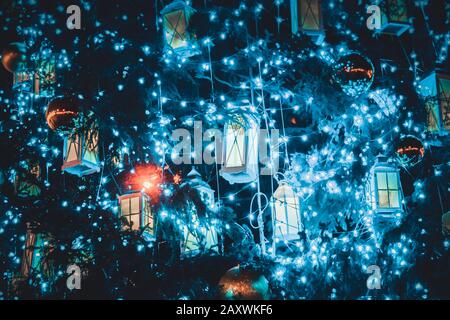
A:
x,y
37,252
287,219
394,199
191,241
148,217
235,146
381,180
175,29
383,199
72,148
135,221
125,207
134,205
91,146
310,14
392,180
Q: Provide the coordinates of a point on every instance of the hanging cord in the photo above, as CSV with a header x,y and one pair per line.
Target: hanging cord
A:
x,y
425,18
101,174
284,135
211,79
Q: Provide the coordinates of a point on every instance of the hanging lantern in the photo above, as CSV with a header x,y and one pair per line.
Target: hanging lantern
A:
x,y
240,155
46,78
81,152
62,113
194,180
25,81
384,191
394,17
410,151
199,240
306,17
243,284
446,224
286,214
136,213
14,57
33,256
354,73
26,183
177,36
436,90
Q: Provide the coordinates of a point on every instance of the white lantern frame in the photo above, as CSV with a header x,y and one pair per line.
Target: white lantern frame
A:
x,y
80,153
311,11
240,149
436,89
384,193
286,213
137,210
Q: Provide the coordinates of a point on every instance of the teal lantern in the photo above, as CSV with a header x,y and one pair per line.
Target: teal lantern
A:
x,y
177,35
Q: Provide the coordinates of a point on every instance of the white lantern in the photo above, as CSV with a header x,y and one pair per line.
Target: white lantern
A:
x,y
394,17
384,191
286,216
202,239
81,153
136,210
176,17
306,17
436,89
194,180
240,155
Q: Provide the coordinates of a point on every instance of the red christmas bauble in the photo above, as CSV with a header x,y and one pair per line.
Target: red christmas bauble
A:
x,y
14,57
410,151
62,113
243,284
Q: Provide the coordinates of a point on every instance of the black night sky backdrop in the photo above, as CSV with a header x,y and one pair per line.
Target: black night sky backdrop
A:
x,y
135,90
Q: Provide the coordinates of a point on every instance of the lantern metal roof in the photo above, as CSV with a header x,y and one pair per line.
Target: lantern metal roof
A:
x,y
194,179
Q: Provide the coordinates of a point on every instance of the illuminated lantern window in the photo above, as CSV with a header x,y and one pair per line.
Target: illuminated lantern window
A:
x,y
240,162
46,78
306,17
26,183
436,90
136,211
81,153
384,191
286,213
33,257
200,240
176,17
394,17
